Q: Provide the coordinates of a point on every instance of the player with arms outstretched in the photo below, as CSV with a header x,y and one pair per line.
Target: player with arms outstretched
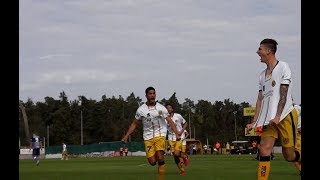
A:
x,y
154,118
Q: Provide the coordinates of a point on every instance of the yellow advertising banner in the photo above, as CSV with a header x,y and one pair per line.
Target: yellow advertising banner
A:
x,y
252,132
249,111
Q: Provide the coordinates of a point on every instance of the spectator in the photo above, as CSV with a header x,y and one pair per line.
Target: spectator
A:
x,y
191,148
205,148
211,149
194,149
126,151
218,147
121,151
228,148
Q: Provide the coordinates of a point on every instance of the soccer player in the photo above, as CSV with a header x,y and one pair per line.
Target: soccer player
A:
x,y
64,152
184,155
36,145
176,144
298,136
274,109
154,118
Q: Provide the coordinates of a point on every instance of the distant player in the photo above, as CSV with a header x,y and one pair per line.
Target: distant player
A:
x,y
64,152
176,144
36,145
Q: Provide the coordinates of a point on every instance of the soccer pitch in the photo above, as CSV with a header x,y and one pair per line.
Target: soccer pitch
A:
x,y
213,167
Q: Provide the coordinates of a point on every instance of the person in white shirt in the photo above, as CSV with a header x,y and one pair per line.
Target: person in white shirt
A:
x,y
154,117
205,148
176,144
274,109
64,152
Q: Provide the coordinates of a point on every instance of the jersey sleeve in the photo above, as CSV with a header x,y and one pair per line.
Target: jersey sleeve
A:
x,y
165,113
138,114
286,76
182,119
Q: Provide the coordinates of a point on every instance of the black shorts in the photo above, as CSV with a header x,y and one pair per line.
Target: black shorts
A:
x,y
36,152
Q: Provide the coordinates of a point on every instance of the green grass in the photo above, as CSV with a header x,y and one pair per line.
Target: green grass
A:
x,y
216,167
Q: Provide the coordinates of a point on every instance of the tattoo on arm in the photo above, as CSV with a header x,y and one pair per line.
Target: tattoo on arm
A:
x,y
283,98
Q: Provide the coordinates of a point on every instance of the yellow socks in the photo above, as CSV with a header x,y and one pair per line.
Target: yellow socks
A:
x,y
297,162
161,171
264,168
297,165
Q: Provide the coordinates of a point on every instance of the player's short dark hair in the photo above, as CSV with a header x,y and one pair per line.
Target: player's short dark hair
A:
x,y
271,44
168,104
149,89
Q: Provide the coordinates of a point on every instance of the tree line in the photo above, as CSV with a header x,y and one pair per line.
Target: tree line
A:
x,y
109,118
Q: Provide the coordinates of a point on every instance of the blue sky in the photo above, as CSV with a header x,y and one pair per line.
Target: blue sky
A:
x,y
200,49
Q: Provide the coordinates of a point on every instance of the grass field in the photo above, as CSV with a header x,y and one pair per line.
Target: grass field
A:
x,y
219,167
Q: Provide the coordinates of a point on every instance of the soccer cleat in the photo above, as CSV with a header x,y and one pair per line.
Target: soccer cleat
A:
x,y
185,161
37,163
182,172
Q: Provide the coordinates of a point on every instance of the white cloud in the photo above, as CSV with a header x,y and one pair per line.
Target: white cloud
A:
x,y
123,45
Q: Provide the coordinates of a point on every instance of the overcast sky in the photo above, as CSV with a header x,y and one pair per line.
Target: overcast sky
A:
x,y
200,49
